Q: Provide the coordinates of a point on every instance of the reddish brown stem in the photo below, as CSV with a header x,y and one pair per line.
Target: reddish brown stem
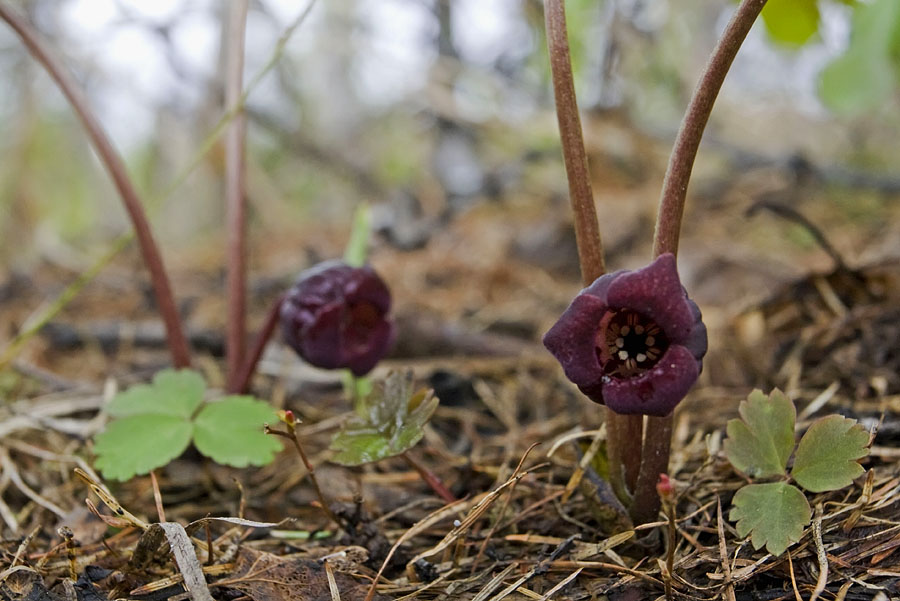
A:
x,y
681,162
165,301
622,442
242,381
430,478
658,435
291,435
654,461
235,198
587,232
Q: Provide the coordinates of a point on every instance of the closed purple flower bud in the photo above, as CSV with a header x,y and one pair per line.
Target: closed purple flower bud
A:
x,y
632,340
336,316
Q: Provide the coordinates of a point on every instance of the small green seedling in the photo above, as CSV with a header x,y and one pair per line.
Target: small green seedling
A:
x,y
391,421
155,423
760,445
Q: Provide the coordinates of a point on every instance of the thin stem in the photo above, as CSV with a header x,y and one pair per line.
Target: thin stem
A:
x,y
235,199
587,232
242,379
291,435
658,434
654,461
430,478
622,442
73,289
681,162
165,301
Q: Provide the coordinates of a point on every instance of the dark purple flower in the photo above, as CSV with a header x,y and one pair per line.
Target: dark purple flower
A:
x,y
632,340
336,316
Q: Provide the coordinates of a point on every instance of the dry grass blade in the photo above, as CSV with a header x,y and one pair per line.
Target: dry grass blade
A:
x,y
723,552
549,594
420,526
110,501
332,583
10,468
820,554
474,514
586,459
187,561
495,582
537,568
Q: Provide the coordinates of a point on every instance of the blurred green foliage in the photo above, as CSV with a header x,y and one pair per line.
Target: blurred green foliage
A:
x,y
866,74
791,22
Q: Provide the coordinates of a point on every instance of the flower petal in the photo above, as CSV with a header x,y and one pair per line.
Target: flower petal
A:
x,y
600,286
321,340
656,292
697,341
364,359
571,340
658,390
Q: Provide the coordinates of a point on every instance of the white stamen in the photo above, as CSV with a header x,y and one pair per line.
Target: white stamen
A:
x,y
623,355
650,341
620,342
641,357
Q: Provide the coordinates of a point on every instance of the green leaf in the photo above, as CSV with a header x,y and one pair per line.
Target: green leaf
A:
x,y
864,76
140,443
230,431
358,245
775,513
175,393
761,443
827,453
393,421
791,22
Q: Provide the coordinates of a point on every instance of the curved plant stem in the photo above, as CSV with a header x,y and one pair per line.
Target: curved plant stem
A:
x,y
681,162
587,232
654,461
55,306
165,301
291,435
235,199
430,478
242,379
658,435
621,442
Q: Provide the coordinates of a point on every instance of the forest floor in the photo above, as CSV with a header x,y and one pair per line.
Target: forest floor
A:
x,y
471,307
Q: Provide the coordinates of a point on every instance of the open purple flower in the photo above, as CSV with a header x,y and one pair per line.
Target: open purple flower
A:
x,y
336,316
632,340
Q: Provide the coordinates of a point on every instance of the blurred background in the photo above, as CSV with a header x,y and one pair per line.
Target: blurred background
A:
x,y
440,114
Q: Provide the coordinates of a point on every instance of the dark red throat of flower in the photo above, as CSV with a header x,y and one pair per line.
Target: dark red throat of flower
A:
x,y
630,344
360,322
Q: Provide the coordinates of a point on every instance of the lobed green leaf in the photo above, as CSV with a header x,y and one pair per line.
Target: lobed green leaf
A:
x,y
760,443
393,421
230,431
775,514
827,455
140,443
176,393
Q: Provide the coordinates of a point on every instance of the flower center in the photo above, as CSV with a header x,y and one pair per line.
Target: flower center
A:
x,y
631,343
359,325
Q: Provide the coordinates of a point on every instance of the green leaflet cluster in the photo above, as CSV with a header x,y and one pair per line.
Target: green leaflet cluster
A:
x,y
391,421
155,423
760,445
